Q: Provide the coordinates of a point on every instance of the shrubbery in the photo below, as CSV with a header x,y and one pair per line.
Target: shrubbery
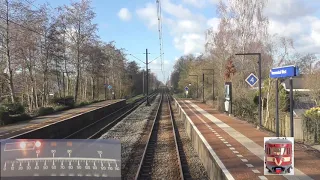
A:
x,y
45,111
4,116
311,123
14,108
19,117
67,101
15,112
84,103
245,108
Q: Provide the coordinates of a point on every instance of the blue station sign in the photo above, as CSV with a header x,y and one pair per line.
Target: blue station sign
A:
x,y
252,79
285,71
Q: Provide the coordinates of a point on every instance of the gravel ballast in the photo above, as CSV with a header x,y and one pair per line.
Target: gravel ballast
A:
x,y
196,168
132,132
165,165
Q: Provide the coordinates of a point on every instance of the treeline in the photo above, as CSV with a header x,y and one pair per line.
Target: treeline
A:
x,y
52,56
244,29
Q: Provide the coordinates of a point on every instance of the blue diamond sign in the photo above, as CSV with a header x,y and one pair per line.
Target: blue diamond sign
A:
x,y
186,88
109,87
252,79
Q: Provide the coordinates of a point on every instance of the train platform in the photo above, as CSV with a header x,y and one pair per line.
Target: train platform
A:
x,y
11,130
237,147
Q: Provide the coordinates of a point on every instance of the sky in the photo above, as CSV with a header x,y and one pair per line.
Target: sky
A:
x,y
133,25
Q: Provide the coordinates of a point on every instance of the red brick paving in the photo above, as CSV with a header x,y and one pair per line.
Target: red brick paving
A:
x,y
233,163
305,161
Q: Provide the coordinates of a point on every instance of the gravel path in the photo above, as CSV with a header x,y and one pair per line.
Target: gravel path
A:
x,y
165,164
131,131
196,168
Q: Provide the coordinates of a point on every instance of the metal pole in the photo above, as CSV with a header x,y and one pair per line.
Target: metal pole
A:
x,y
213,98
147,78
197,86
277,108
291,107
260,96
203,87
143,82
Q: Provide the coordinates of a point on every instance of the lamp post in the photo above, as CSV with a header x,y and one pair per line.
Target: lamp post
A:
x,y
260,96
197,84
213,98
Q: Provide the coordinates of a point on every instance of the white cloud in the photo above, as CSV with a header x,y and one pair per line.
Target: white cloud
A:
x,y
196,3
290,18
176,10
187,28
200,3
124,14
214,1
296,20
149,14
213,23
289,29
288,9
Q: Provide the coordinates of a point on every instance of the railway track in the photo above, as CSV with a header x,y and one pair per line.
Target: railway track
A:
x,y
92,130
163,152
98,128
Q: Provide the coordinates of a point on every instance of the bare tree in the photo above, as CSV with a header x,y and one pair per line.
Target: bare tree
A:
x,y
7,48
80,29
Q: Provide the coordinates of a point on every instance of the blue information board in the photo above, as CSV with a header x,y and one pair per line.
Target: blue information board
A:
x,y
285,71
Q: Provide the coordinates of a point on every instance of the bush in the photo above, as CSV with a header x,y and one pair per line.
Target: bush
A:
x,y
67,101
14,108
83,103
61,108
311,124
19,117
245,108
45,111
4,116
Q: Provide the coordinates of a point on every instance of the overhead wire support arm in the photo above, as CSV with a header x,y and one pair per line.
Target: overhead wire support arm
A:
x,y
137,58
155,58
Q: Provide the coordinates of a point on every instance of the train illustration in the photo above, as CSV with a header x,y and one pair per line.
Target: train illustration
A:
x,y
278,156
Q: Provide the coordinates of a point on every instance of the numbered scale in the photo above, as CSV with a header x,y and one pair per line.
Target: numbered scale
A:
x,y
30,159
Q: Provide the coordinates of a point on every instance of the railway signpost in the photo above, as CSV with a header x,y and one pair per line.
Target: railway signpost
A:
x,y
109,87
252,80
284,72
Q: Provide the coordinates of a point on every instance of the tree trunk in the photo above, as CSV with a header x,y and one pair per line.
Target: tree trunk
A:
x,y
78,66
98,89
86,88
35,93
58,79
92,88
120,87
10,78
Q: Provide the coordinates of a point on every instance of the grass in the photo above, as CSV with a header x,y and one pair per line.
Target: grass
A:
x,y
131,100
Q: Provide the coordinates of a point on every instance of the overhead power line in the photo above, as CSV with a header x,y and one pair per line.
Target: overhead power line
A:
x,y
159,15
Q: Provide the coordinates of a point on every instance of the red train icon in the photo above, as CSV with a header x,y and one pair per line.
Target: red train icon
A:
x,y
278,156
